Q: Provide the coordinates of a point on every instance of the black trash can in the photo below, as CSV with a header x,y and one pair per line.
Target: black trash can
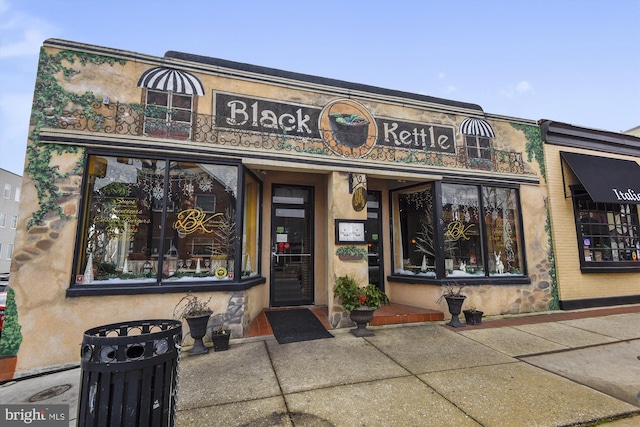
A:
x,y
130,374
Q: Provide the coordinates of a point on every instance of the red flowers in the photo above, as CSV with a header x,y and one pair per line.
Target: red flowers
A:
x,y
363,298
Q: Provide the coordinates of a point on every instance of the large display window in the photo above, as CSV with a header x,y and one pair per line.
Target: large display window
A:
x,y
159,221
502,230
608,234
457,231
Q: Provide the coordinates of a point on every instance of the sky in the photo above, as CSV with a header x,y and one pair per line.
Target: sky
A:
x,y
573,61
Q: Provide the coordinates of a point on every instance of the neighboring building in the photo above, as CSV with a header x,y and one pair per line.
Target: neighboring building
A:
x,y
594,193
152,177
634,131
10,184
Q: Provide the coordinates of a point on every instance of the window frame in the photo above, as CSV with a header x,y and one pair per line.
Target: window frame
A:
x,y
474,144
133,286
439,238
7,191
168,126
579,193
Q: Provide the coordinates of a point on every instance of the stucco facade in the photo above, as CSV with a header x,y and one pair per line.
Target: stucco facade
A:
x,y
277,130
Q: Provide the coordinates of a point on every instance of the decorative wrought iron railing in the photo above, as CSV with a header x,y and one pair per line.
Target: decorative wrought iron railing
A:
x,y
120,119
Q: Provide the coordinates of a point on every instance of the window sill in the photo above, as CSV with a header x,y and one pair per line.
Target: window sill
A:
x,y
492,280
600,268
164,288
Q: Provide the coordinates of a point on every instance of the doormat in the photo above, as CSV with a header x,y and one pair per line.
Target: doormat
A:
x,y
296,325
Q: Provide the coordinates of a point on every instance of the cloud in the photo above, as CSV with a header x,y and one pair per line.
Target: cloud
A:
x,y
21,34
524,86
519,89
441,75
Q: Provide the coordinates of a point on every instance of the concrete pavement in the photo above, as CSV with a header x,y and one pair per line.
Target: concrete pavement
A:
x,y
566,372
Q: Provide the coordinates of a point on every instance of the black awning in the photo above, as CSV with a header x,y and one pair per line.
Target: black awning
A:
x,y
606,180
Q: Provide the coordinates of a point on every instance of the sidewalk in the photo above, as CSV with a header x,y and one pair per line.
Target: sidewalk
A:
x,y
573,371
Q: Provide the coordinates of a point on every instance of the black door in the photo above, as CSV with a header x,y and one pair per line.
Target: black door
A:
x,y
373,236
291,245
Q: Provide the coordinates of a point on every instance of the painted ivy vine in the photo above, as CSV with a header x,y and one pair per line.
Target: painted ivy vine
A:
x,y
535,150
533,145
49,103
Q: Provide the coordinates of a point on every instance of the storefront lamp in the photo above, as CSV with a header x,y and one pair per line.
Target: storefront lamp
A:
x,y
171,260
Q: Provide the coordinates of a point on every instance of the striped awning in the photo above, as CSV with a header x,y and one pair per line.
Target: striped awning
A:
x,y
476,127
169,79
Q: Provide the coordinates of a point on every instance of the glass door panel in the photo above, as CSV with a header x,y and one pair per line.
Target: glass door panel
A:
x,y
292,246
373,233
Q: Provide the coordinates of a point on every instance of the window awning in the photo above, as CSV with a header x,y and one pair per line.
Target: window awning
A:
x,y
165,79
606,180
476,127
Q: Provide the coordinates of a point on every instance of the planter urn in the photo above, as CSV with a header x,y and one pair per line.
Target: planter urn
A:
x,y
198,329
455,308
361,316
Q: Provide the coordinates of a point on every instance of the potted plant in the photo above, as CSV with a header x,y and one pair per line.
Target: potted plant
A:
x,y
452,293
11,338
360,302
472,316
220,338
197,313
351,253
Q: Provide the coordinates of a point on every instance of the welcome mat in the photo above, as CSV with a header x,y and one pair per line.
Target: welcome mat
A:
x,y
296,325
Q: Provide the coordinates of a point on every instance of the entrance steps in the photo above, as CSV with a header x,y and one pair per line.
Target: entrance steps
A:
x,y
391,314
394,314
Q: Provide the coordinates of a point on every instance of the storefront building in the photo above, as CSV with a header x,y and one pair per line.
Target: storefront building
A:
x,y
594,193
150,177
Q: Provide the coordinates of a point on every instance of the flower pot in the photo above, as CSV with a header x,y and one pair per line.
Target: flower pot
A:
x,y
7,367
361,316
349,257
455,307
198,329
220,340
473,317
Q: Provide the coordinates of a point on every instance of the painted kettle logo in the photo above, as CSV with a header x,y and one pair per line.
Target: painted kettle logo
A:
x,y
348,129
